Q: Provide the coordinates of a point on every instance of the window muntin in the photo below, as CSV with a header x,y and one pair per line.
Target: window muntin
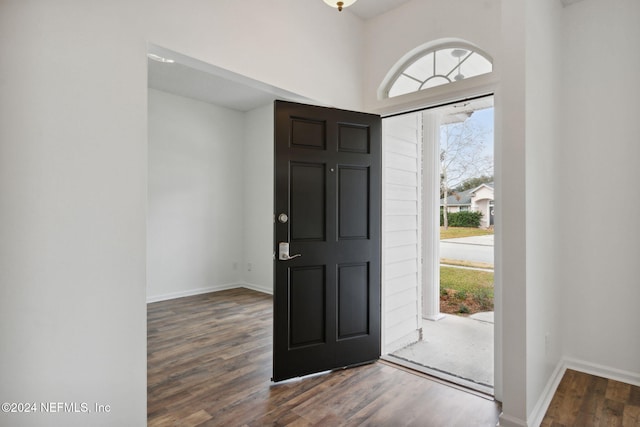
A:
x,y
439,67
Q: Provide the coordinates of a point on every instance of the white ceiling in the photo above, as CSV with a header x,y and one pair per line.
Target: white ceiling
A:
x,y
194,79
205,82
183,80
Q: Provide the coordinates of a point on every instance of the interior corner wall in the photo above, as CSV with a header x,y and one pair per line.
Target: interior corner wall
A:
x,y
258,170
196,203
544,338
392,35
599,156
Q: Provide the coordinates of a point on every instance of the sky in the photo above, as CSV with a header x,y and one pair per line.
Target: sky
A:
x,y
482,119
485,119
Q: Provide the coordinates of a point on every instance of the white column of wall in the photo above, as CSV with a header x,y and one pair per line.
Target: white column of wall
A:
x,y
431,216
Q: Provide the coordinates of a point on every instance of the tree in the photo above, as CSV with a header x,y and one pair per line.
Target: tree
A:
x,y
472,183
462,147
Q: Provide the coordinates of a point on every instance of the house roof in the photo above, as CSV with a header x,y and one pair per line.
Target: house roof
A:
x,y
463,198
489,185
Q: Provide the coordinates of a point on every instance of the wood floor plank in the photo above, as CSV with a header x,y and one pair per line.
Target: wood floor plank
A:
x,y
618,391
631,416
587,401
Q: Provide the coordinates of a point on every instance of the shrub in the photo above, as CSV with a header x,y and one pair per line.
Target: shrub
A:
x,y
463,289
484,298
462,219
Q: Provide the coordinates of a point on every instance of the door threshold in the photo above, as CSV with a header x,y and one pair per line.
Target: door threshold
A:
x,y
481,390
301,377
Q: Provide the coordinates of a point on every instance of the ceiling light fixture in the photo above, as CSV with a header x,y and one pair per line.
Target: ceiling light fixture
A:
x,y
340,4
160,58
459,53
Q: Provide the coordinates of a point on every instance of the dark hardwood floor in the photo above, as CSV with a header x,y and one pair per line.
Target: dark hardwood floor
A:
x,y
585,400
209,364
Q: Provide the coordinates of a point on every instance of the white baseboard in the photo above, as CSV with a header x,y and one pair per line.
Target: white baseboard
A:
x,y
258,288
509,421
190,292
607,372
216,288
540,409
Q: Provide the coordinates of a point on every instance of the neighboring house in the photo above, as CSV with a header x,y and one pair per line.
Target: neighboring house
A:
x,y
476,199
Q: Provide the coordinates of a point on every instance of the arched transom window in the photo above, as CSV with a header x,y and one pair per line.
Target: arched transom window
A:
x,y
437,67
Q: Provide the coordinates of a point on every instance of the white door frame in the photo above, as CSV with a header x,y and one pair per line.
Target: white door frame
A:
x,y
484,85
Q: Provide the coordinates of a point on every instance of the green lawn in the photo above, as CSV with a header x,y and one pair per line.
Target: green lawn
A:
x,y
454,232
465,291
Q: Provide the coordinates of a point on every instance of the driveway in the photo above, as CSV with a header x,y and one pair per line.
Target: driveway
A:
x,y
475,249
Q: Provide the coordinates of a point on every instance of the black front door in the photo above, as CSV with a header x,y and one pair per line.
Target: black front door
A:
x,y
327,209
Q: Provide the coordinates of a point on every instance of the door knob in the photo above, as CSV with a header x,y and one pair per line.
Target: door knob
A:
x,y
283,252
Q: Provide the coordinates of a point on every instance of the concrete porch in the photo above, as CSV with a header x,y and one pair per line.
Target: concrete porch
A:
x,y
455,348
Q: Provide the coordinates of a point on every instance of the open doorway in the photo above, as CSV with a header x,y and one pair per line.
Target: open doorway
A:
x,y
210,165
438,242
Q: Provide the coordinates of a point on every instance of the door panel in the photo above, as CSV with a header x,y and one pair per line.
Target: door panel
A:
x,y
308,200
307,306
353,139
327,182
353,317
353,203
308,133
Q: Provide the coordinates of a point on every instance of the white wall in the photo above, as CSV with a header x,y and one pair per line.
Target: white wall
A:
x,y
526,186
600,151
304,47
543,222
73,189
73,173
577,130
196,204
510,218
258,199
